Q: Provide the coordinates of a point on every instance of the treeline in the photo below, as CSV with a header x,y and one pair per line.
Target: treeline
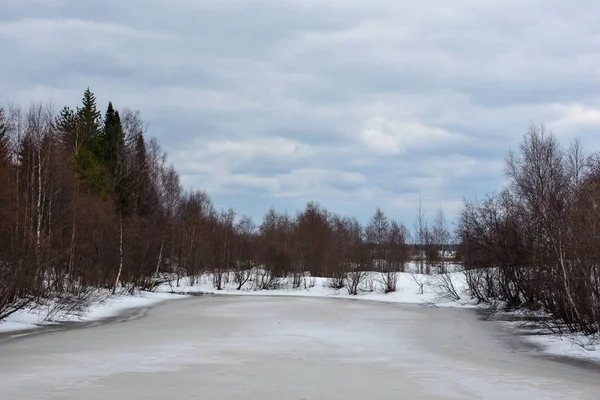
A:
x,y
536,244
87,201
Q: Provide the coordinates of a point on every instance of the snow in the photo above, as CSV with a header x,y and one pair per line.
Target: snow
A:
x,y
573,345
105,306
370,289
116,305
20,321
578,346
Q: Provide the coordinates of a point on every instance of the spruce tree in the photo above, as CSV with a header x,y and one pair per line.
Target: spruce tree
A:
x,y
146,197
90,168
88,120
66,124
111,151
111,142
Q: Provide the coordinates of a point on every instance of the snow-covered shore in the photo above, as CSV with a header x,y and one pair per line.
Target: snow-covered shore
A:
x,y
408,290
105,306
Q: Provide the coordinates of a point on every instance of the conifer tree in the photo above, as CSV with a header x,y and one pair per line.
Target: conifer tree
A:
x,y
90,169
146,195
111,142
66,124
88,120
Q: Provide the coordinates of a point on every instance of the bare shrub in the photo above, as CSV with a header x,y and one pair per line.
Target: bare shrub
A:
x,y
266,280
242,276
368,284
309,282
444,287
75,303
217,280
389,281
353,280
297,279
337,280
420,280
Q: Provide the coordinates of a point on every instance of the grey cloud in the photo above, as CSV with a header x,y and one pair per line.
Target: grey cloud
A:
x,y
351,103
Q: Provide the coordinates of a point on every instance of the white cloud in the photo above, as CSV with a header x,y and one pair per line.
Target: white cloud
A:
x,y
376,138
395,137
579,114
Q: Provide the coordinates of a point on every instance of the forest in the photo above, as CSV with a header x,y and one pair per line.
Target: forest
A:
x,y
89,201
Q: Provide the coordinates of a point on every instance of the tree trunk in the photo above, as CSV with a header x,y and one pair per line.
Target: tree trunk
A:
x,y
162,242
567,288
118,278
38,228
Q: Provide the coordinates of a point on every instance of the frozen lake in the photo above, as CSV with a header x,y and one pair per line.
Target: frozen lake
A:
x,y
287,349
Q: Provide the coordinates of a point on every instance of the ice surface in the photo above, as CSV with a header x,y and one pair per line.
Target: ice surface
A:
x,y
408,293
229,347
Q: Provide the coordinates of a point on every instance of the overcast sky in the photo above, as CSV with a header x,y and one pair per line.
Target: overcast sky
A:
x,y
352,103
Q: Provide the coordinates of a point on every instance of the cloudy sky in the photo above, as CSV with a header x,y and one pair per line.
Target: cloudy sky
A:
x,y
352,103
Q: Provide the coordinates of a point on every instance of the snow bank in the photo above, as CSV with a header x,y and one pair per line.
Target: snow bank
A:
x,y
408,289
578,346
104,306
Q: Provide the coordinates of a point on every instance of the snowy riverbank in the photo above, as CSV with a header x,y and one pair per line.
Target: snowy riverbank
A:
x,y
103,306
411,289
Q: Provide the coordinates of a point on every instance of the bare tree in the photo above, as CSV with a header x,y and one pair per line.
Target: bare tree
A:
x,y
377,235
441,239
533,244
221,239
246,251
421,238
381,249
359,256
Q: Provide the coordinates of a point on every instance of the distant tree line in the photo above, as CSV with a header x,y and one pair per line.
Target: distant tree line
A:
x,y
87,201
536,244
